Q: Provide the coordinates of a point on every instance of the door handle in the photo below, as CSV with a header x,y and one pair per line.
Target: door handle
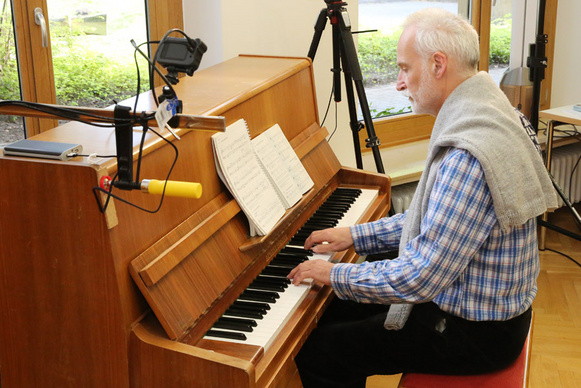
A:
x,y
40,21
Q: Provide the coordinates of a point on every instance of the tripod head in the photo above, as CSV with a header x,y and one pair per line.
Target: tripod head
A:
x,y
334,9
335,3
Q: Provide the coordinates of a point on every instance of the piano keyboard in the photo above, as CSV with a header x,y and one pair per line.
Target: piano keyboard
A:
x,y
263,309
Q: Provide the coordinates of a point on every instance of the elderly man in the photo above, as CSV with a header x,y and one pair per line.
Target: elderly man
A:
x,y
457,299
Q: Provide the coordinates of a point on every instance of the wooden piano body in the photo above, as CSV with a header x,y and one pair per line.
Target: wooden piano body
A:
x,y
123,298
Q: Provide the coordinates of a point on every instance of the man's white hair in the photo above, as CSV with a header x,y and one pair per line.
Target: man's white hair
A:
x,y
441,30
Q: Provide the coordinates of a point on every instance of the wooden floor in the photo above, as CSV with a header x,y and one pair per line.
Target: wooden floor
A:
x,y
556,346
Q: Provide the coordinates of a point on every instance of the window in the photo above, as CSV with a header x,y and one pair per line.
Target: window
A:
x,y
73,27
377,49
494,21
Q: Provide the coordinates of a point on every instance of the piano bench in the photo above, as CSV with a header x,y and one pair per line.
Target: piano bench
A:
x,y
514,376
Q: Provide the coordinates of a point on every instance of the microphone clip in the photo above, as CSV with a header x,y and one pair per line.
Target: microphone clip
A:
x,y
106,182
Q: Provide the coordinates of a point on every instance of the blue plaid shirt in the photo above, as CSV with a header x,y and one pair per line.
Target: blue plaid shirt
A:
x,y
461,259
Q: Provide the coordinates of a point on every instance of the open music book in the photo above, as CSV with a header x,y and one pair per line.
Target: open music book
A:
x,y
264,174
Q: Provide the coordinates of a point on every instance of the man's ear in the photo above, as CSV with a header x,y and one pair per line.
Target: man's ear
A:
x,y
440,63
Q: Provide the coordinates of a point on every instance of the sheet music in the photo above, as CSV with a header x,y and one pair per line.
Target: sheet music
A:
x,y
241,172
287,158
277,170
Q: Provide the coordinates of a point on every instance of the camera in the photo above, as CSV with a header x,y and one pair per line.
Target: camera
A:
x,y
180,55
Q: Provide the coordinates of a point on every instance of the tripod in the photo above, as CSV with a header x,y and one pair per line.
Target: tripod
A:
x,y
537,62
344,53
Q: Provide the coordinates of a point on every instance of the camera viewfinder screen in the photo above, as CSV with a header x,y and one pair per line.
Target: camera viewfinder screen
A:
x,y
175,52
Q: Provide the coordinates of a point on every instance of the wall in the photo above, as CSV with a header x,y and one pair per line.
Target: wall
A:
x,y
566,75
202,19
284,28
232,27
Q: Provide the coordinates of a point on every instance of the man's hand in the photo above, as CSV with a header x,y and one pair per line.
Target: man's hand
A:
x,y
318,270
336,239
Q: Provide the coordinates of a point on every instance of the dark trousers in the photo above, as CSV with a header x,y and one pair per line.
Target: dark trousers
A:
x,y
350,343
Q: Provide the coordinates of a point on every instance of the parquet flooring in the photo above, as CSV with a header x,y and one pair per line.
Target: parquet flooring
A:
x,y
556,348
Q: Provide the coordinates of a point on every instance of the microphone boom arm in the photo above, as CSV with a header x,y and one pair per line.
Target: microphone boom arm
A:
x,y
121,118
106,115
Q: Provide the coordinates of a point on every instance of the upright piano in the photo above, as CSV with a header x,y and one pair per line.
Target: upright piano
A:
x,y
129,297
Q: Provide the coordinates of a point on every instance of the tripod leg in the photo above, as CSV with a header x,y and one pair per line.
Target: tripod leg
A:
x,y
353,121
350,58
319,27
337,53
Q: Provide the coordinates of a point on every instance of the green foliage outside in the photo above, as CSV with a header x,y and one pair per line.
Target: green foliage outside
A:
x,y
84,75
500,30
9,77
378,52
9,85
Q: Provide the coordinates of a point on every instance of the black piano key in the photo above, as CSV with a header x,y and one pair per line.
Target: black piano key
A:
x,y
297,255
291,257
238,324
273,280
322,217
232,326
343,199
315,224
341,205
251,305
248,322
334,206
279,262
298,240
299,251
305,233
352,190
264,286
244,313
284,259
326,217
226,334
321,223
332,213
260,296
339,209
275,271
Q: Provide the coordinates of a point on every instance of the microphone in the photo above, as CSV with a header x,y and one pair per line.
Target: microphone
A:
x,y
154,186
172,188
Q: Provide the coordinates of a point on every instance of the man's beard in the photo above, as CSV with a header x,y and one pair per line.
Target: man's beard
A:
x,y
423,95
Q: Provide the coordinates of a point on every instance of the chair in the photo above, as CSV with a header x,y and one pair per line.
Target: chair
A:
x,y
514,376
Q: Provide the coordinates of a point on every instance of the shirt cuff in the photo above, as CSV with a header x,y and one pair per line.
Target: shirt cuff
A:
x,y
357,232
340,275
